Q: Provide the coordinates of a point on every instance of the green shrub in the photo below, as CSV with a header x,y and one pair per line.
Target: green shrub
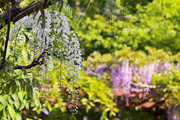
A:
x,y
159,21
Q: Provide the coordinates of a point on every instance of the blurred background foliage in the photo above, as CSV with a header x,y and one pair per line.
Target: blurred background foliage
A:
x,y
159,16
105,46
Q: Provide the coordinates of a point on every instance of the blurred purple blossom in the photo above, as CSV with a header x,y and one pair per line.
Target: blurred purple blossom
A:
x,y
156,66
174,111
146,72
134,70
122,76
100,69
178,66
166,67
88,71
126,75
114,76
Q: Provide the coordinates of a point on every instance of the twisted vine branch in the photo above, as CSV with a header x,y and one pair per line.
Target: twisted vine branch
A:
x,y
35,62
19,13
7,36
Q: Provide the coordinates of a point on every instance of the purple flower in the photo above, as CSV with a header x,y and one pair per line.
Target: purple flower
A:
x,y
122,76
100,69
178,66
166,67
134,70
146,72
88,71
45,111
115,76
173,113
126,74
156,66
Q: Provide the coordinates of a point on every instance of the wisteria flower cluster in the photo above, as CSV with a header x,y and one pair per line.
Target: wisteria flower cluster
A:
x,y
145,72
123,75
109,5
56,31
173,113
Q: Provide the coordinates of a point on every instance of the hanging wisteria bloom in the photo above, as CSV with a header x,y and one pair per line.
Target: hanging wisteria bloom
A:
x,y
122,76
88,71
111,8
166,67
44,41
134,70
173,113
178,66
146,72
55,36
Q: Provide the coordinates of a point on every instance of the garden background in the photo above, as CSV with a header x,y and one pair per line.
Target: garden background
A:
x,y
130,64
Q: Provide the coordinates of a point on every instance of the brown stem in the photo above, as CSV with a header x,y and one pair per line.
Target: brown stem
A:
x,y
19,13
145,85
34,63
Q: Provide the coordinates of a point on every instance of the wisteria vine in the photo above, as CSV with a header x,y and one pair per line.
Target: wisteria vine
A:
x,y
44,41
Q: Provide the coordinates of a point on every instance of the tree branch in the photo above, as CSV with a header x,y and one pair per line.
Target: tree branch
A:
x,y
34,63
7,36
19,13
145,85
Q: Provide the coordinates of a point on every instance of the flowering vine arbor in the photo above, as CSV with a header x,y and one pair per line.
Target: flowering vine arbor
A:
x,y
148,82
40,41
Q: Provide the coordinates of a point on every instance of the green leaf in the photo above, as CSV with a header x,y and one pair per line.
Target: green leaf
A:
x,y
2,42
11,111
84,101
1,107
9,85
60,5
92,104
115,110
2,23
136,108
24,53
24,71
38,85
29,119
27,104
35,10
21,81
74,23
27,38
14,87
42,14
21,95
29,88
16,99
37,103
10,101
107,109
22,106
3,99
112,113
18,116
97,100
87,108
